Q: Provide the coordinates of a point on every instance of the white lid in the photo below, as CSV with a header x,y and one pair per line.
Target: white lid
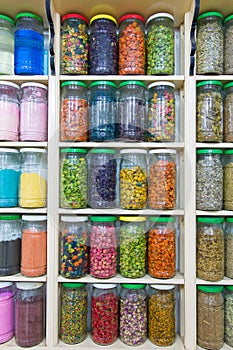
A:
x,y
104,285
5,284
8,83
160,14
28,285
69,218
9,150
34,84
133,150
34,217
39,150
158,151
161,83
163,286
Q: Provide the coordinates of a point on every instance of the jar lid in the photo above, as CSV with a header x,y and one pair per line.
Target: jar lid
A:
x,y
103,218
209,151
210,82
229,151
158,151
34,217
104,285
131,16
133,286
34,85
133,150
9,83
70,218
210,289
162,219
228,18
74,15
229,219
73,285
210,220
28,285
74,82
228,84
103,150
132,218
132,82
8,150
5,284
73,150
158,15
161,83
10,217
7,18
103,82
210,14
38,150
103,16
163,286
229,287
27,14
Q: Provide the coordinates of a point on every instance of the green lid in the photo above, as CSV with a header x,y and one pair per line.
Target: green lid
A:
x,y
209,151
209,14
133,286
73,285
10,217
27,14
228,18
229,287
229,151
210,220
74,82
7,18
73,150
103,218
132,82
229,219
103,82
103,150
211,289
162,219
228,85
210,82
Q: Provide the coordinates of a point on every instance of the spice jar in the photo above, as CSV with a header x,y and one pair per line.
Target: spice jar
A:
x,y
161,123
228,315
9,110
162,247
133,314
228,180
229,247
74,44
29,44
209,179
104,314
7,293
73,313
74,111
210,317
161,314
73,246
103,113
209,52
102,178
103,246
133,244
162,179
210,248
103,56
7,28
132,111
228,112
33,178
29,314
133,179
73,178
209,111
34,245
228,45
132,51
160,44
10,244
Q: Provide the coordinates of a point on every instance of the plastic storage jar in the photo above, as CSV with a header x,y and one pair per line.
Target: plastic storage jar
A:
x,y
132,42
209,111
29,314
132,111
33,178
10,244
103,57
133,314
9,111
209,179
34,112
73,246
228,315
228,45
29,44
133,179
73,313
210,248
7,28
73,178
162,179
210,317
160,44
133,245
74,111
161,314
228,112
162,247
74,44
34,245
229,247
104,314
103,246
103,111
228,180
161,121
102,178
7,292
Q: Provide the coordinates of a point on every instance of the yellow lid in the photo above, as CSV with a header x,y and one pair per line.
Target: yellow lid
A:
x,y
133,218
103,16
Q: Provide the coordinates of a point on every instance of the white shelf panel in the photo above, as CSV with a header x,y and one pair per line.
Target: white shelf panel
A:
x,y
225,347
221,77
149,145
224,282
19,79
18,210
23,144
214,213
214,145
11,344
20,278
118,211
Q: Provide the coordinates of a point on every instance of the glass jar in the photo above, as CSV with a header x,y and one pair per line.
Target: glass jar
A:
x,y
210,248
228,112
210,317
132,42
132,111
104,314
34,245
228,180
161,314
29,313
73,178
133,314
102,178
73,313
161,119
73,246
103,111
133,246
133,179
209,179
228,45
74,111
160,44
228,315
7,28
209,52
7,293
33,178
34,112
10,244
162,179
29,44
9,110
74,44
103,48
229,247
103,246
162,247
209,111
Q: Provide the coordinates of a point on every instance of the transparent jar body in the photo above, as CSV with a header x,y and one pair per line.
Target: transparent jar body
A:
x,y
229,248
7,29
228,114
7,293
228,47
228,181
228,315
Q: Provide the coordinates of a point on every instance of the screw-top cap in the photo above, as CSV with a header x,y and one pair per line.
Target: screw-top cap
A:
x,y
132,218
28,285
10,217
104,285
210,220
210,14
27,14
7,18
74,82
73,150
209,151
73,285
162,286
74,15
102,82
229,219
103,218
132,82
71,218
103,16
210,82
103,150
131,16
210,289
133,286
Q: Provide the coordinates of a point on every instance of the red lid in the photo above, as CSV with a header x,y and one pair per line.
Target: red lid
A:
x,y
74,15
132,15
